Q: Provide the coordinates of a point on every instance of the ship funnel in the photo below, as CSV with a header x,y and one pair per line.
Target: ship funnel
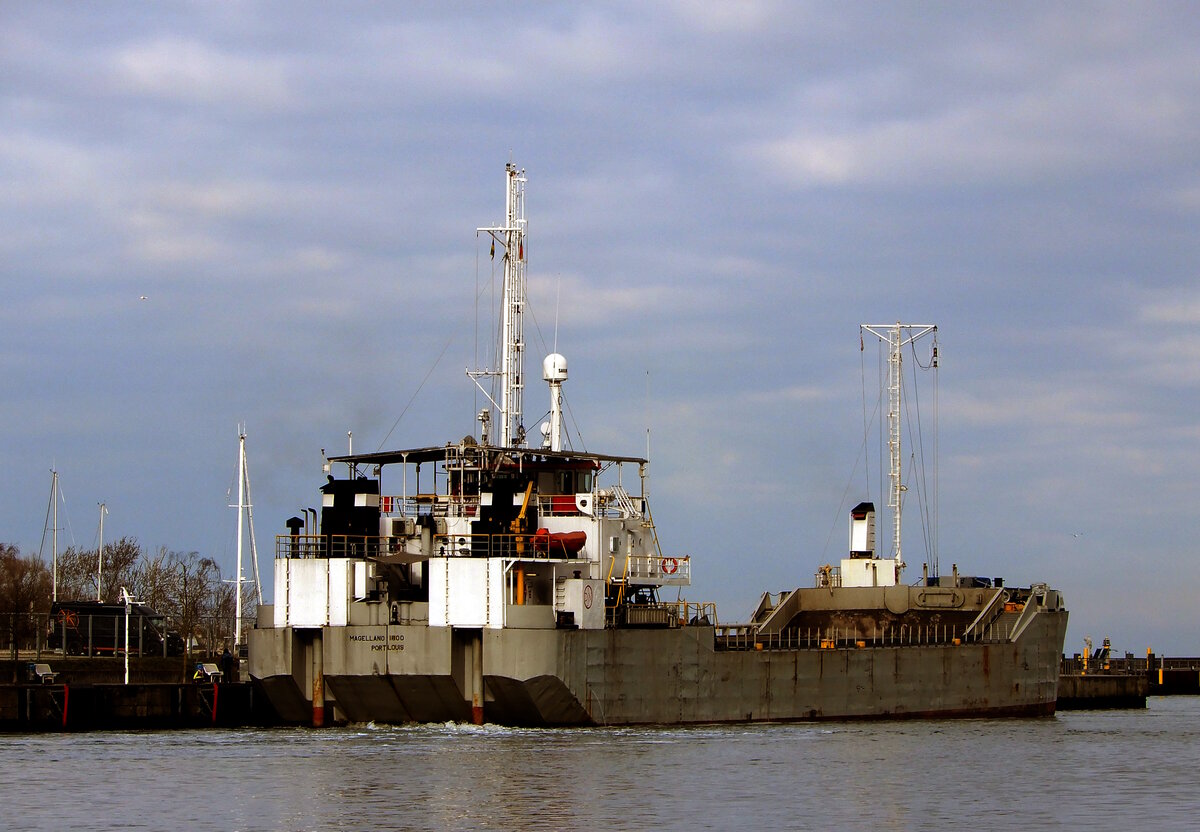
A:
x,y
862,531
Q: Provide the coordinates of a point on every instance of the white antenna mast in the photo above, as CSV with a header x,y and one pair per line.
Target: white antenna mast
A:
x,y
896,336
511,236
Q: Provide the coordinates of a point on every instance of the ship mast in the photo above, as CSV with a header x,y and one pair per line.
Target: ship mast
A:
x,y
896,336
511,237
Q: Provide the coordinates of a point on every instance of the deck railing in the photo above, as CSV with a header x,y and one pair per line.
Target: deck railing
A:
x,y
415,506
522,546
746,637
659,571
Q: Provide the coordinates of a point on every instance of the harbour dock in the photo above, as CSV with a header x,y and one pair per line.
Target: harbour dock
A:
x,y
1105,681
91,694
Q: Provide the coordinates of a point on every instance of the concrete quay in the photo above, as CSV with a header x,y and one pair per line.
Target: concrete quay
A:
x,y
89,694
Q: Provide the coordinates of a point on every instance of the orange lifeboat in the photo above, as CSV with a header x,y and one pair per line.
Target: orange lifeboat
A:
x,y
558,544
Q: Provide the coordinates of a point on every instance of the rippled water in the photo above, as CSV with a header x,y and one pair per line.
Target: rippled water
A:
x,y
1109,769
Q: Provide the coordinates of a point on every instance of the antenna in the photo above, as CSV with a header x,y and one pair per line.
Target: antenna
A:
x,y
557,307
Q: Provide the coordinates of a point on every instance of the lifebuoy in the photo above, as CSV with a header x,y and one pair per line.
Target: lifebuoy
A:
x,y
670,565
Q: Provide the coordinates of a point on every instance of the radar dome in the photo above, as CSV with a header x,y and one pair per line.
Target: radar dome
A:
x,y
554,368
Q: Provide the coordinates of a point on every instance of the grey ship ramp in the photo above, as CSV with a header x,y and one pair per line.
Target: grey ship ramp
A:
x,y
540,701
367,698
286,698
773,620
432,698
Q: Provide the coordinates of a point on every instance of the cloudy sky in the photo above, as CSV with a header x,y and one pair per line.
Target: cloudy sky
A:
x,y
719,194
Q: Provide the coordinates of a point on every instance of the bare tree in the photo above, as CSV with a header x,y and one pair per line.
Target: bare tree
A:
x,y
77,570
196,580
122,560
24,596
77,574
154,582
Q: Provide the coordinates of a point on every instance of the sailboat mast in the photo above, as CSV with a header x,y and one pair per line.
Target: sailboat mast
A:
x,y
54,537
100,554
250,524
237,616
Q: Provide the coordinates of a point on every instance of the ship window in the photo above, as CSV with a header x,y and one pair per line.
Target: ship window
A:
x,y
585,481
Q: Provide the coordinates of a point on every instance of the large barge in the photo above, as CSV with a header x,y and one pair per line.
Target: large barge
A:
x,y
493,580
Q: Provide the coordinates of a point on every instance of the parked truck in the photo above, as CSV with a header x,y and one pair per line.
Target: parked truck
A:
x,y
94,628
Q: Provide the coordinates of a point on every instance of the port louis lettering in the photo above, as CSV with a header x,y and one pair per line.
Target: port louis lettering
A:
x,y
379,642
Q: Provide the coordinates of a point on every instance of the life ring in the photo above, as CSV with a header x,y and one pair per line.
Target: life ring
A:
x,y
670,565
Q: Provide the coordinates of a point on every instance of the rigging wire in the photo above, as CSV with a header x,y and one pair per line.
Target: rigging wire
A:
x,y
478,293
916,443
862,376
925,496
862,456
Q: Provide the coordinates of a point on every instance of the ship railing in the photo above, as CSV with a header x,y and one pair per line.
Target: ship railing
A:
x,y
747,637
548,505
329,545
653,570
515,546
429,505
828,576
673,614
604,503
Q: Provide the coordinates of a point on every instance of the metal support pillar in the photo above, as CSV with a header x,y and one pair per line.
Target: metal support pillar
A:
x,y
318,682
477,678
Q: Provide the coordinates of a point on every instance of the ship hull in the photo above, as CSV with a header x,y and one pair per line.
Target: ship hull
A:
x,y
557,677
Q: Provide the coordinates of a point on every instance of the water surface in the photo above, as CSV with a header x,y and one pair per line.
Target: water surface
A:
x,y
1106,770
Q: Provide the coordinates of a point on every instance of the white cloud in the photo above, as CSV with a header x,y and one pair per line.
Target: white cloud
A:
x,y
1035,115
190,71
1174,307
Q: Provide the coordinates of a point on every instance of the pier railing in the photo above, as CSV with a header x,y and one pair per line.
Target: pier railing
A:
x,y
35,635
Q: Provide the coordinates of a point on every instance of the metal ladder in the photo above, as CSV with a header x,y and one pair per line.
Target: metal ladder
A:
x,y
624,501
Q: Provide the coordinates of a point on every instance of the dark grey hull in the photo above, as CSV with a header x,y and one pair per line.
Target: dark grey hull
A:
x,y
553,677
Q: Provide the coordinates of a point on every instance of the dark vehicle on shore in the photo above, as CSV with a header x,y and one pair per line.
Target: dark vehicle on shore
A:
x,y
83,628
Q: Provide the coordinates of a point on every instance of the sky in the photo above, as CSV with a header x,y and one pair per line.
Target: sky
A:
x,y
718,196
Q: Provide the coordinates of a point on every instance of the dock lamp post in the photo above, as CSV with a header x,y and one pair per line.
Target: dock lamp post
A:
x,y
129,602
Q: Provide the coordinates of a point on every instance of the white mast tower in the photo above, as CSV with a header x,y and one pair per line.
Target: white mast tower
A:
x,y
511,237
896,336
